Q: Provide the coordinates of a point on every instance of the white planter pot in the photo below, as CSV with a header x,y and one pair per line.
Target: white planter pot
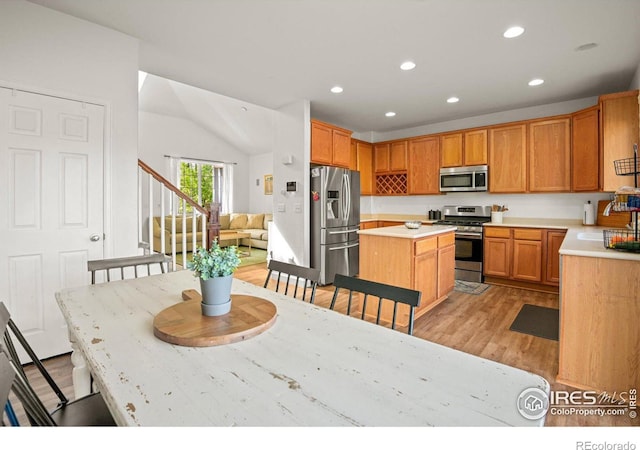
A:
x,y
216,295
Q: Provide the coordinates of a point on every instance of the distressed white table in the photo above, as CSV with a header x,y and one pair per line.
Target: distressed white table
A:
x,y
313,367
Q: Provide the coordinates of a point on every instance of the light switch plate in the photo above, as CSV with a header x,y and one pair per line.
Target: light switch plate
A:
x,y
281,207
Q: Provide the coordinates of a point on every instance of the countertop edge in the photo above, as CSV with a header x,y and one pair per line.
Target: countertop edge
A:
x,y
402,232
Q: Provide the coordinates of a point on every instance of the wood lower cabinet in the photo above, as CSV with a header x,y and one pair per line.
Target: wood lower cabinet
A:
x,y
508,159
553,241
425,264
527,260
523,257
497,252
550,155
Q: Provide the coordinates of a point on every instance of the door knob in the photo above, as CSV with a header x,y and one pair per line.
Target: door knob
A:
x,y
94,238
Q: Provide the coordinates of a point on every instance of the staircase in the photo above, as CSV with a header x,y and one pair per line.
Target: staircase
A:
x,y
158,197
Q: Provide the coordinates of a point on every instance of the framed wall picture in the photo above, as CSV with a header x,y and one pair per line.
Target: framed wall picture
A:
x,y
268,185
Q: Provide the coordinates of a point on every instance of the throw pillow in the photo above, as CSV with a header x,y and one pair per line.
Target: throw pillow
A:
x,y
254,221
238,222
225,221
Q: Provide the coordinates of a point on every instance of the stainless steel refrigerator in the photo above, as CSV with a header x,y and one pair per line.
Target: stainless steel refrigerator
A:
x,y
335,220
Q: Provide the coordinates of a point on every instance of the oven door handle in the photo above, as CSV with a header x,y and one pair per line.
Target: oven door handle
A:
x,y
469,235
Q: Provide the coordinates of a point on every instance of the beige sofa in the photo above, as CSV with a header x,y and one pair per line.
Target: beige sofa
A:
x,y
157,233
256,224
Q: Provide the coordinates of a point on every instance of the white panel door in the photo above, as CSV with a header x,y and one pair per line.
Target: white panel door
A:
x,y
51,204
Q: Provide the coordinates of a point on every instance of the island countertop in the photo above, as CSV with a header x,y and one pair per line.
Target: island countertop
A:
x,y
400,231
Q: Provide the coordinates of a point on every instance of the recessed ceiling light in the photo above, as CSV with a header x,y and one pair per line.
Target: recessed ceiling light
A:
x,y
453,100
390,114
513,32
536,82
336,89
408,65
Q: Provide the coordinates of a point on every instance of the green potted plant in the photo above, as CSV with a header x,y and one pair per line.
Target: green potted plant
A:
x,y
215,269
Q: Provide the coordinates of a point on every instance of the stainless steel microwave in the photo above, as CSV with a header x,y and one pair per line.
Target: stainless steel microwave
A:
x,y
464,179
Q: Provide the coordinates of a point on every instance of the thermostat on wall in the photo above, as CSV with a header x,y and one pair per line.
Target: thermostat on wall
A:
x,y
291,186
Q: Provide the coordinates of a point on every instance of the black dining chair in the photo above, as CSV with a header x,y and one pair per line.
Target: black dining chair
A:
x,y
90,410
128,264
382,291
309,277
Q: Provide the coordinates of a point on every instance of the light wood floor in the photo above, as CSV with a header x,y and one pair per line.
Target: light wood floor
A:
x,y
475,324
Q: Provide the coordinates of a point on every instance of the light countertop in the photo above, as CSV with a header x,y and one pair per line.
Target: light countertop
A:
x,y
400,231
580,240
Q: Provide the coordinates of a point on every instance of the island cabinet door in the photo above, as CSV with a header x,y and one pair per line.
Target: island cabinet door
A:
x,y
426,278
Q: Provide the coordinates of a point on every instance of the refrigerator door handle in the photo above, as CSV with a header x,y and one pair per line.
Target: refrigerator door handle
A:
x,y
344,247
347,185
343,232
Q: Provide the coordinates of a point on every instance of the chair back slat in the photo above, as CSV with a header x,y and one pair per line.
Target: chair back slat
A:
x,y
307,275
382,291
133,262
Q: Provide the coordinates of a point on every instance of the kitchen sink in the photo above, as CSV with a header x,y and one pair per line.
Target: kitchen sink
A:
x,y
586,236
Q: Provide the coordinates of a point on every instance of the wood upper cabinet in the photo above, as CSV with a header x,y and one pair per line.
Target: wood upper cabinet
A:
x,y
390,156
550,155
475,148
381,157
364,164
618,133
585,150
451,150
330,145
468,148
423,172
508,158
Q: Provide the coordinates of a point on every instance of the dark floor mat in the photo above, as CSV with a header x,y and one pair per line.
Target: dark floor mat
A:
x,y
538,321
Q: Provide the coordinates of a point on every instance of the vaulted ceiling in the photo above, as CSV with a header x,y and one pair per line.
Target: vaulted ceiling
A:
x,y
271,53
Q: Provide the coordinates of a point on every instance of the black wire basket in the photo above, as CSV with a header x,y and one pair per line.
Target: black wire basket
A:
x,y
623,240
627,166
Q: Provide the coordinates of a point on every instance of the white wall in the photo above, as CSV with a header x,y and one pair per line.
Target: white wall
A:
x,y
53,53
165,135
560,206
259,166
290,238
490,119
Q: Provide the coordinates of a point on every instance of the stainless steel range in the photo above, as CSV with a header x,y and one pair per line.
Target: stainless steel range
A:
x,y
468,220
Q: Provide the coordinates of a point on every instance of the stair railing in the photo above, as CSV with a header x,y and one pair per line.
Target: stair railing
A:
x,y
176,202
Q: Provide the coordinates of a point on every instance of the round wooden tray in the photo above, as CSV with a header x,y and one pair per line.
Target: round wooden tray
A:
x,y
184,324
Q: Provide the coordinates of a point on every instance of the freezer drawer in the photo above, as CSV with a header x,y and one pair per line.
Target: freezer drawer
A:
x,y
338,258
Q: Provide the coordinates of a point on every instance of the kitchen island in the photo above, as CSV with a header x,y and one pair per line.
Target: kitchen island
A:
x,y
422,259
599,310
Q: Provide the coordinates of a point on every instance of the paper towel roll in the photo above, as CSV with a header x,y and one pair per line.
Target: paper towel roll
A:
x,y
589,217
